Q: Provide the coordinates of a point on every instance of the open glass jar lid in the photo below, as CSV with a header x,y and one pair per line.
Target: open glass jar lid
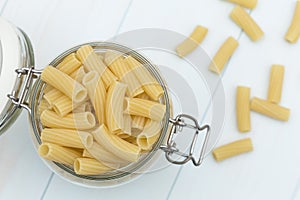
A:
x,y
30,96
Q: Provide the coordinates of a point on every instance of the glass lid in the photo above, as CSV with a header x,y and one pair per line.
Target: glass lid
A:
x,y
15,52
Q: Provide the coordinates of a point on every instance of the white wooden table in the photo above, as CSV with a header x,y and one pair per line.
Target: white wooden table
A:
x,y
270,172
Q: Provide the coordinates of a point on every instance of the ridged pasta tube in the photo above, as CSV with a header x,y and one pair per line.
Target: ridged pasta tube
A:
x,y
293,32
44,105
91,61
245,3
243,108
52,95
269,109
78,74
97,94
149,135
63,105
114,107
64,83
89,166
247,23
69,64
150,85
233,149
192,42
58,153
67,137
145,108
116,145
223,54
80,121
275,85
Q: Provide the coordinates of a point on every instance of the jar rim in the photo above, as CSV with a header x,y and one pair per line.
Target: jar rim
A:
x,y
115,177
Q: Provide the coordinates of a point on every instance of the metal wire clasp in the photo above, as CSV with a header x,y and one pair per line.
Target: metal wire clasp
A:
x,y
20,98
178,124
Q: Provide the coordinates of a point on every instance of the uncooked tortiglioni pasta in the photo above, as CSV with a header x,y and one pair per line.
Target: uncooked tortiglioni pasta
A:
x,y
99,112
293,32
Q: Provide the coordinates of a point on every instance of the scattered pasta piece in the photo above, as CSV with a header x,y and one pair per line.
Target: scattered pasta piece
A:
x,y
192,42
243,108
275,85
293,32
269,109
245,3
233,149
223,54
246,22
89,166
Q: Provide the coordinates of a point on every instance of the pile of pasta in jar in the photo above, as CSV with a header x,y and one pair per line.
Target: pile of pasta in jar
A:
x,y
99,112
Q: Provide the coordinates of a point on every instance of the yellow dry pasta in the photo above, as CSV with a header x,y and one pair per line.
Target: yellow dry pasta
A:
x,y
149,135
64,83
80,121
293,32
114,107
86,154
121,69
111,56
137,124
63,105
243,108
192,42
97,94
51,96
269,109
67,137
47,88
127,125
58,153
91,61
116,145
44,105
245,3
145,108
275,85
150,85
89,166
223,54
78,74
247,23
69,64
106,157
85,107
233,149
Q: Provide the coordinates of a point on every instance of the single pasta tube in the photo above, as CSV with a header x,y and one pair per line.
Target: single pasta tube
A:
x,y
67,137
293,32
127,125
243,108
245,3
223,54
114,107
91,61
47,88
192,42
85,107
275,85
58,153
64,105
51,96
100,153
78,74
233,149
66,84
269,109
149,135
121,69
150,85
97,94
44,105
116,145
137,124
89,166
69,64
145,108
80,121
246,22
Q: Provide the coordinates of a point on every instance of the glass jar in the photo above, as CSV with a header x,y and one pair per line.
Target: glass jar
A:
x,y
27,93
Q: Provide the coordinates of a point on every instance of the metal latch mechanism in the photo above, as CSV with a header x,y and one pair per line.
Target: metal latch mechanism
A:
x,y
178,124
19,98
